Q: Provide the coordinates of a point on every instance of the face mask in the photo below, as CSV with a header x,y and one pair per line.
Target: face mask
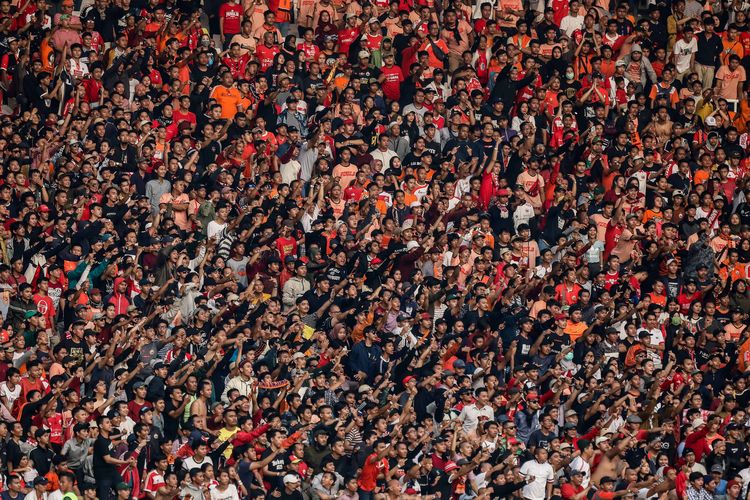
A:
x,y
206,43
569,356
569,75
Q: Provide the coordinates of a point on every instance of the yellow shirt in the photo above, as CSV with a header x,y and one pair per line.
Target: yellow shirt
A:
x,y
225,435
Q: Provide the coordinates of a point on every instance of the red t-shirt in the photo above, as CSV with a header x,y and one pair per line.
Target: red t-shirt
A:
x,y
178,116
46,307
286,246
392,82
232,15
353,193
370,471
568,491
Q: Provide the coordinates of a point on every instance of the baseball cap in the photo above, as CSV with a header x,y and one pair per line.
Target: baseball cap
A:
x,y
291,478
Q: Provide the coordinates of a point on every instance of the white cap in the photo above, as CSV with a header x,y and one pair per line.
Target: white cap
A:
x,y
363,54
697,423
291,478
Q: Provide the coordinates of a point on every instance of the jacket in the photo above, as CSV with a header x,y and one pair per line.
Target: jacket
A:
x,y
294,288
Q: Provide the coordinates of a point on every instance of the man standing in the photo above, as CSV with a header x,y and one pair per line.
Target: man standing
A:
x,y
709,49
295,286
477,413
539,476
104,464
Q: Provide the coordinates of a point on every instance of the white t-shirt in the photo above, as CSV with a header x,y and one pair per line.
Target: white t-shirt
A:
x,y
569,24
542,473
683,51
191,463
214,228
472,416
580,464
11,396
229,494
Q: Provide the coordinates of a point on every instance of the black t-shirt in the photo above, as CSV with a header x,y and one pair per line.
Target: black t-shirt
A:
x,y
278,464
539,439
76,348
102,448
366,74
171,424
42,459
412,160
570,88
281,493
7,496
341,138
14,453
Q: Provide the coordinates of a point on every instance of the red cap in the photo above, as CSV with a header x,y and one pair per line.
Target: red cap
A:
x,y
425,316
407,379
532,396
513,441
503,192
450,466
43,208
561,316
348,121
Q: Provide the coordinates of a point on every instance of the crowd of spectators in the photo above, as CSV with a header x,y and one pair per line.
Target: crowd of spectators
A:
x,y
407,249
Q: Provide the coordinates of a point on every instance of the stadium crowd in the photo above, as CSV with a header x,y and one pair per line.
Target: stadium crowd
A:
x,y
407,249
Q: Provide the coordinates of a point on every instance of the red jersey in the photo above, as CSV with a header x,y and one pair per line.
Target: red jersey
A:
x,y
561,8
353,193
392,82
265,55
611,237
55,426
611,279
38,385
372,42
237,66
93,90
347,36
310,49
154,481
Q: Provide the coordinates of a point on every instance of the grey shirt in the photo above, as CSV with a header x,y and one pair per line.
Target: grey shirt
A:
x,y
154,189
76,451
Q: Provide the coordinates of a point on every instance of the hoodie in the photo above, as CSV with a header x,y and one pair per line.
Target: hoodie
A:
x,y
119,300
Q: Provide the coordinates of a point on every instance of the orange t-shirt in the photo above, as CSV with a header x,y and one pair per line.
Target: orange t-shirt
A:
x,y
229,98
